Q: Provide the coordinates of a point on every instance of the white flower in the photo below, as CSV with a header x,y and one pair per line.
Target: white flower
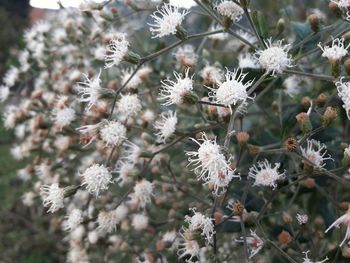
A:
x,y
230,9
52,196
113,133
344,219
129,105
166,126
132,152
63,117
347,152
254,242
336,51
134,82
116,50
344,93
302,219
107,221
4,93
210,164
28,198
166,20
232,90
188,249
90,90
247,60
342,4
292,85
274,58
73,220
315,152
265,175
11,76
174,92
218,36
124,170
307,260
202,223
186,56
9,117
143,190
96,178
140,222
211,74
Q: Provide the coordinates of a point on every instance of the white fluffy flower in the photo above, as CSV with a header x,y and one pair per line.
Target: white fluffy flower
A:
x,y
302,219
28,198
166,20
134,82
73,220
274,58
129,105
265,175
254,242
210,164
344,93
116,50
4,93
202,223
336,51
140,222
211,74
52,196
174,92
11,76
292,85
307,260
89,90
188,249
230,9
232,90
247,60
166,126
107,221
315,152
186,56
342,4
124,170
63,117
96,178
143,191
113,133
344,219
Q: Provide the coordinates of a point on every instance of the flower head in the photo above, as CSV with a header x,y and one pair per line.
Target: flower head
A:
x,y
247,60
302,219
4,93
96,178
254,242
211,74
116,50
274,58
202,223
230,9
63,117
52,196
189,249
265,175
73,220
342,4
186,56
174,92
307,260
90,90
344,219
232,90
344,93
166,126
129,105
113,133
336,51
315,152
143,190
107,221
166,20
140,222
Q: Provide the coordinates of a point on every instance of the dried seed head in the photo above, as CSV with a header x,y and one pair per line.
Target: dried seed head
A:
x,y
291,144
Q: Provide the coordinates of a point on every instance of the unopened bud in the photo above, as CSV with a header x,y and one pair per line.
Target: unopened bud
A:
x,y
132,57
242,137
309,183
329,116
334,8
304,122
306,101
181,33
314,22
254,149
284,237
287,218
281,24
321,99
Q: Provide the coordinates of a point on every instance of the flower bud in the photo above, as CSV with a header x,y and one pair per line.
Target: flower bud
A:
x,y
321,99
329,116
344,206
284,237
281,24
304,122
291,144
334,8
254,149
314,22
242,137
287,218
306,101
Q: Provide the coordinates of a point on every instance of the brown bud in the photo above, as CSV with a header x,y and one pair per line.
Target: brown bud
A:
x,y
237,208
159,245
302,117
306,101
319,221
309,183
254,149
329,116
217,217
334,8
291,144
321,100
287,218
284,237
314,22
304,122
344,206
242,137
